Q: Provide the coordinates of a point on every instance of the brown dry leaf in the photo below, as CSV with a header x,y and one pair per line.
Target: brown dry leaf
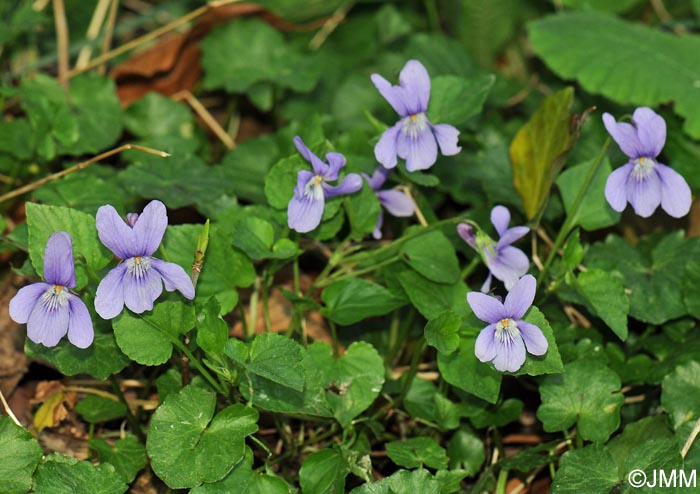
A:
x,y
172,64
56,404
13,361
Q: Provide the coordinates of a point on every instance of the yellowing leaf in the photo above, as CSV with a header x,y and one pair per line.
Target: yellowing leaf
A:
x,y
539,150
46,415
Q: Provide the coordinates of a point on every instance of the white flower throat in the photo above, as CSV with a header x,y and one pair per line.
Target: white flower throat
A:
x,y
506,329
415,124
55,297
138,265
313,188
643,167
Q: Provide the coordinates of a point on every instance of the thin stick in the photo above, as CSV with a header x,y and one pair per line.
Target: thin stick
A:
x,y
98,17
330,25
50,178
691,438
59,16
109,30
130,45
8,410
205,115
419,213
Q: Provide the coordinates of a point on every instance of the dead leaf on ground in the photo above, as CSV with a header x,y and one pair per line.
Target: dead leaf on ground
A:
x,y
13,361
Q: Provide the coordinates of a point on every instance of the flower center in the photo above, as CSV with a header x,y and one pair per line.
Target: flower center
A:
x,y
506,329
643,167
313,189
415,124
138,265
56,296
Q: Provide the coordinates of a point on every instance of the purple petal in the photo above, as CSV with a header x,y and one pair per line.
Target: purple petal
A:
x,y
616,187
419,151
114,233
511,235
485,346
150,228
385,150
377,232
336,161
625,135
80,331
109,299
304,213
378,177
47,326
533,337
140,291
520,297
466,231
500,218
644,194
675,193
393,94
510,354
447,138
22,304
397,203
350,184
319,166
486,285
651,130
59,268
415,81
174,277
485,307
509,265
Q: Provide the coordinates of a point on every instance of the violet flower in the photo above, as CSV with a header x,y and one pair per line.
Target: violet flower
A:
x,y
50,309
643,182
138,279
505,338
505,262
413,138
394,201
305,209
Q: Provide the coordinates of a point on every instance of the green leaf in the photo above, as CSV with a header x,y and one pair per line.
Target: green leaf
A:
x,y
351,300
277,358
254,236
621,446
482,414
539,149
550,363
586,394
593,212
433,256
443,332
60,474
424,401
282,179
463,370
86,191
96,409
471,94
466,451
148,338
20,453
430,298
324,471
653,457
590,470
44,221
246,165
212,330
100,360
416,452
680,394
606,295
183,438
363,210
128,456
403,481
656,294
601,5
566,41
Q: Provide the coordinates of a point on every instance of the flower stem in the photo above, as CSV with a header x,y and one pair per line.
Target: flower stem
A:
x,y
334,335
417,354
198,365
135,426
573,211
467,271
502,481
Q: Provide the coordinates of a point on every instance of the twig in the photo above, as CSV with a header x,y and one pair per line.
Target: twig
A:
x,y
50,178
109,30
691,438
419,213
98,17
330,25
8,410
205,115
59,16
130,45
